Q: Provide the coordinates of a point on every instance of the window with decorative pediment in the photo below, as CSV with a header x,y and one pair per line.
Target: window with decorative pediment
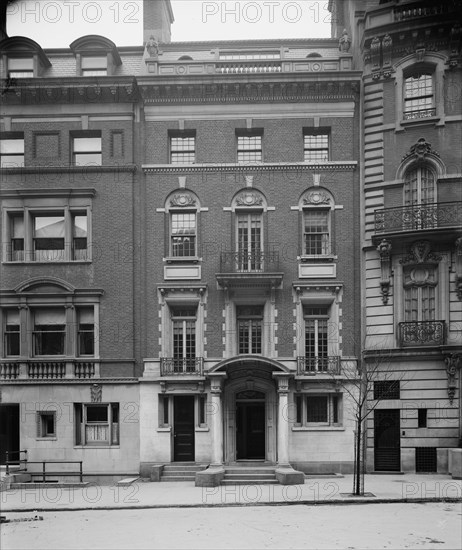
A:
x,y
316,207
95,56
183,209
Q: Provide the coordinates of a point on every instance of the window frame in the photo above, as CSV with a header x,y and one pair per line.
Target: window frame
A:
x,y
321,321
96,152
186,151
254,323
172,236
18,72
185,322
97,70
316,132
165,416
80,428
255,154
9,334
409,99
334,410
29,214
7,138
305,214
42,427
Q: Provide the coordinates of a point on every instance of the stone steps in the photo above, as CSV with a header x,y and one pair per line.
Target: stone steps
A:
x,y
249,475
181,471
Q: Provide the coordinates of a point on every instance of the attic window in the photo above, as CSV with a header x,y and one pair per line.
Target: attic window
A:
x,y
94,65
20,67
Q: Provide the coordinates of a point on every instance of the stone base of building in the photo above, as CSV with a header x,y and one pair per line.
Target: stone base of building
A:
x,y
286,475
455,463
324,468
211,477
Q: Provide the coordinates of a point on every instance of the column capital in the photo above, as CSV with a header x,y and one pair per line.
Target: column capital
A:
x,y
282,379
216,381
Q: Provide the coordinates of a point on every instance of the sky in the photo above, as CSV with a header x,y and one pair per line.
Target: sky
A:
x,y
57,23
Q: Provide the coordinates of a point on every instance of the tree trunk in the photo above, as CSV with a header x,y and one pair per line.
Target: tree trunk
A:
x,y
357,489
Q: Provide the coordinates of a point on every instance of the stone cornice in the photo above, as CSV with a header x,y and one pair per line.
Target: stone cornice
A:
x,y
75,192
337,166
65,381
69,169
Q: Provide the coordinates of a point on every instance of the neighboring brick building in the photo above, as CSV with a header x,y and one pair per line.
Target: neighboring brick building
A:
x,y
181,248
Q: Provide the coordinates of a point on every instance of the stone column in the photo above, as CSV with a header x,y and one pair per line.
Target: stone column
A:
x,y
216,412
283,418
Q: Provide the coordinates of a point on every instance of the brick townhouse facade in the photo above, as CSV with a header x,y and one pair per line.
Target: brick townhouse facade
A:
x,y
200,249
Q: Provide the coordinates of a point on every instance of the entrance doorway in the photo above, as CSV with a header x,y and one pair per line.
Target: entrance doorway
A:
x,y
9,432
183,428
387,450
250,425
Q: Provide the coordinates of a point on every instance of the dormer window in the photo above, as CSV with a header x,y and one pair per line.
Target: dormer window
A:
x,y
20,67
95,56
94,65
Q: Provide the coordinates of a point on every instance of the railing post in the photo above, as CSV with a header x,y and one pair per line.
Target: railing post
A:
x,y
43,471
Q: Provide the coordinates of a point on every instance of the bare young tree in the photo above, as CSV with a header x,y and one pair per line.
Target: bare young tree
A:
x,y
360,385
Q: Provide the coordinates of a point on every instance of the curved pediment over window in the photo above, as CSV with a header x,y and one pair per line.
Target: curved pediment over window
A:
x,y
96,55
45,285
317,196
249,198
22,46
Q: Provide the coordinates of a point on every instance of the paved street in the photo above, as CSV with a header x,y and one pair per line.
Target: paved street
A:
x,y
397,525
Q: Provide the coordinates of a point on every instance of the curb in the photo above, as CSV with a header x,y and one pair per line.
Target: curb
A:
x,y
347,501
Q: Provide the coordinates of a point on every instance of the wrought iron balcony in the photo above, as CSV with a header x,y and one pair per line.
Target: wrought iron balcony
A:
x,y
318,365
418,217
249,262
422,333
171,366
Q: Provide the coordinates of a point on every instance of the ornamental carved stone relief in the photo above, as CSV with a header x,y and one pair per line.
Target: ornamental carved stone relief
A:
x,y
249,199
182,200
419,253
316,197
96,393
420,150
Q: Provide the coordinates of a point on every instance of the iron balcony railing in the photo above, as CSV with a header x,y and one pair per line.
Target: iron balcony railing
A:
x,y
419,113
318,365
172,366
249,262
418,217
422,333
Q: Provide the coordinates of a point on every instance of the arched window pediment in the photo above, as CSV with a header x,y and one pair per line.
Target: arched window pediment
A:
x,y
45,285
249,198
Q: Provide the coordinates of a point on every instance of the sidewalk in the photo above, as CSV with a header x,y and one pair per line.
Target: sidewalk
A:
x,y
144,494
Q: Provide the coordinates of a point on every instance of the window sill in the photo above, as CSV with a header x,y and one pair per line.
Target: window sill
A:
x,y
319,259
201,429
183,259
51,438
318,429
167,429
96,447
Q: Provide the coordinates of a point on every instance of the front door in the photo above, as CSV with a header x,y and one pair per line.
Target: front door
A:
x,y
387,440
183,428
9,432
250,429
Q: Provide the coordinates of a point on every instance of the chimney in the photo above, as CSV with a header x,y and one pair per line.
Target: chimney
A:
x,y
157,20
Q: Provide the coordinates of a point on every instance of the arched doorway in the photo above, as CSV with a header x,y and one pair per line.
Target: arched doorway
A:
x,y
250,420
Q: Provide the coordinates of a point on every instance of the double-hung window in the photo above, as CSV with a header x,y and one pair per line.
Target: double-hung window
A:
x,y
85,331
316,232
49,334
183,233
20,67
87,150
94,65
249,147
183,148
184,338
96,424
315,147
419,96
12,333
249,329
12,152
